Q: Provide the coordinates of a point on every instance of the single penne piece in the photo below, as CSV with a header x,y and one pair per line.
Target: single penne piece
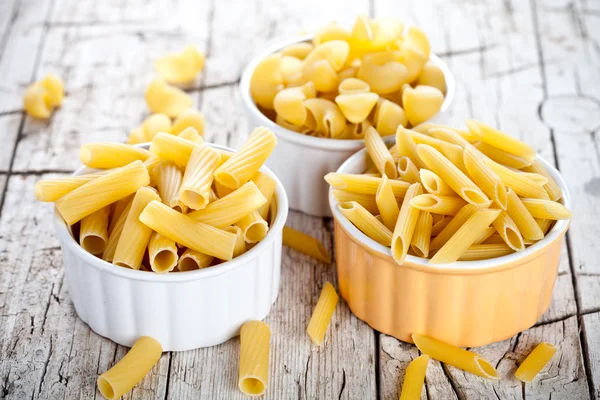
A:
x,y
529,229
407,170
108,155
535,362
537,178
446,205
254,227
190,133
405,226
231,208
50,190
172,148
135,235
484,177
364,184
240,168
102,191
495,239
93,231
448,135
422,235
546,209
465,236
168,181
321,316
451,227
395,153
187,231
433,184
368,201
455,356
554,191
454,177
407,147
414,378
191,260
437,218
440,225
485,235
387,203
132,368
500,140
544,224
305,244
451,151
502,157
508,231
379,153
240,242
521,184
266,185
366,222
162,253
485,251
196,183
253,374
115,231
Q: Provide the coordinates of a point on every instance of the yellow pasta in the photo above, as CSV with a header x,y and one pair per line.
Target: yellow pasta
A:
x,y
433,184
162,253
363,184
535,362
421,103
451,151
266,185
452,226
305,244
485,251
405,226
254,227
136,136
182,67
325,117
240,242
368,201
407,147
446,205
54,87
455,356
444,133
544,224
322,74
356,106
135,235
537,178
266,81
245,163
114,231
168,181
117,209
440,225
414,378
321,316
379,153
521,184
500,140
502,157
432,75
546,209
289,103
132,368
164,98
155,123
291,70
485,235
93,232
196,184
190,118
110,155
508,231
53,189
383,71
37,102
422,235
331,31
188,232
253,375
407,170
191,134
191,260
387,203
520,215
388,117
484,177
554,191
366,222
102,191
172,148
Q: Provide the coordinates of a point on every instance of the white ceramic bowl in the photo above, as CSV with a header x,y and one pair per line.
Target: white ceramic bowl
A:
x,y
182,310
301,161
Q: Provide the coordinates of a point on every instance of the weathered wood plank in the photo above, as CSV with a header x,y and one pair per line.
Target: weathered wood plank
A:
x,y
591,332
9,128
2,187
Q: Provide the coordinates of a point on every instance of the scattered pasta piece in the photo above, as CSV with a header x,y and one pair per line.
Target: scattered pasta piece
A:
x,y
321,316
42,97
305,244
535,362
163,98
180,68
414,378
253,375
188,118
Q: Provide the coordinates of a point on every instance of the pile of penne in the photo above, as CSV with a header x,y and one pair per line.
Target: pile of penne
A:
x,y
449,194
343,82
181,204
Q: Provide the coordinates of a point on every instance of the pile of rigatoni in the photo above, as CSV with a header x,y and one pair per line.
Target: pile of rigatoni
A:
x,y
181,205
449,194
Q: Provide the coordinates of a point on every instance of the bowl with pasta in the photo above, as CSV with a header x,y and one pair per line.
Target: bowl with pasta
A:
x,y
460,239
150,244
319,93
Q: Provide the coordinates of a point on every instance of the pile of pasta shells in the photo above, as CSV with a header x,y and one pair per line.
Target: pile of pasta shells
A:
x,y
377,74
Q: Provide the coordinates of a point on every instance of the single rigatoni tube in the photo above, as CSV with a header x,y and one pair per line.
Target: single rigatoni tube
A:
x,y
500,140
451,151
254,227
115,232
405,226
305,244
520,183
508,231
379,153
407,170
108,155
231,208
255,347
190,233
414,378
387,203
244,164
221,190
366,222
266,185
546,209
529,229
197,180
135,235
554,191
434,184
191,260
465,236
502,157
535,362
422,235
366,200
484,177
132,368
50,190
102,191
485,235
167,177
455,356
162,253
407,147
240,242
446,205
172,148
190,133
150,163
117,209
485,251
454,177
321,316
452,227
440,225
93,233
364,184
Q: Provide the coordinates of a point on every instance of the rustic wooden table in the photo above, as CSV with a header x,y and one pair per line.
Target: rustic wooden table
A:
x,y
531,68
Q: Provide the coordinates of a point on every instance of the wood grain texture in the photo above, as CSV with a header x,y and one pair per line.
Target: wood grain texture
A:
x,y
591,331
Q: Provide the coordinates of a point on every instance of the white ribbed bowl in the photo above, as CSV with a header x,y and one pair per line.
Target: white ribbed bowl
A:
x,y
301,161
182,310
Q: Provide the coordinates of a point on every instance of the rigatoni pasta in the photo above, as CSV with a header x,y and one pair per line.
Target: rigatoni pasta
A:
x,y
253,375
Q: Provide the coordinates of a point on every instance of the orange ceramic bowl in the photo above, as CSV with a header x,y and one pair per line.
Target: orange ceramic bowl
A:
x,y
466,303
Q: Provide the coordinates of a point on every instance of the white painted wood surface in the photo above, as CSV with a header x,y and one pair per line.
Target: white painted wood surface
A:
x,y
529,67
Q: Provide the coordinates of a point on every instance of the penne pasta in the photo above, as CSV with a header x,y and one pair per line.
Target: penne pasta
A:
x,y
93,231
254,227
448,135
544,224
414,378
162,253
379,153
529,229
305,244
191,260
500,140
485,235
240,242
266,185
405,226
440,225
168,181
110,155
455,356
546,209
537,178
484,177
508,231
451,151
452,227
445,205
521,184
321,316
253,375
196,183
366,222
485,251
433,184
172,148
115,231
132,368
502,157
535,362
187,231
407,170
422,235
363,184
554,191
50,190
386,203
368,201
407,147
